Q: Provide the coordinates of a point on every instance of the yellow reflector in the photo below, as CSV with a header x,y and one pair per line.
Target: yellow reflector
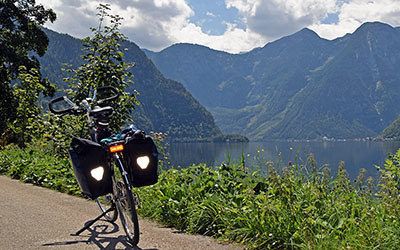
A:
x,y
117,148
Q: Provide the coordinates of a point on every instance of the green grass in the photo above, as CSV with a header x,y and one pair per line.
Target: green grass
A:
x,y
297,208
288,210
38,167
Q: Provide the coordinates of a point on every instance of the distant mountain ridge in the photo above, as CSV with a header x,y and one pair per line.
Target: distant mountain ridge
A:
x,y
298,87
166,106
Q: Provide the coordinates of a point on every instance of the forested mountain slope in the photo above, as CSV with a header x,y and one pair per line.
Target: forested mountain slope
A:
x,y
298,87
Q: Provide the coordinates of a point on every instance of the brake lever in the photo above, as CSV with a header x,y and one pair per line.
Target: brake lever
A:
x,y
74,106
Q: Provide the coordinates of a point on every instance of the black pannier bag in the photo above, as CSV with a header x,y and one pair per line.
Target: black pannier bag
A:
x,y
138,147
91,167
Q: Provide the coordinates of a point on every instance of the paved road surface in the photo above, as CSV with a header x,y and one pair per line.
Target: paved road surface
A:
x,y
37,218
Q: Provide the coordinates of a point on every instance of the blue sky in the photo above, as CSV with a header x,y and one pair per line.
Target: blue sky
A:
x,y
212,16
230,25
331,18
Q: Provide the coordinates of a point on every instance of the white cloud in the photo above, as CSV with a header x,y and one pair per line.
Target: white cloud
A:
x,y
354,13
73,17
145,21
276,18
153,24
234,39
156,24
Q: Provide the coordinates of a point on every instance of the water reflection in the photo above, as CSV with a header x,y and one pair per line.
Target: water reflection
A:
x,y
355,154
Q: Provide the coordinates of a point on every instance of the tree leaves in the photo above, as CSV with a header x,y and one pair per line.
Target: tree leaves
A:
x,y
104,66
21,39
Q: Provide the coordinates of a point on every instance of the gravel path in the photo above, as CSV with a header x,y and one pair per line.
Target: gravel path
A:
x,y
37,218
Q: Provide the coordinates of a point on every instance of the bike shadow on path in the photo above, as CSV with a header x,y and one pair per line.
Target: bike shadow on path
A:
x,y
99,235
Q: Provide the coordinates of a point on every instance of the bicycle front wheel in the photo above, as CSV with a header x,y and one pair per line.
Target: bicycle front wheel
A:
x,y
127,212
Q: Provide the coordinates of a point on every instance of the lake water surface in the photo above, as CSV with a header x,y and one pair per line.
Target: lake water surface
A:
x,y
355,154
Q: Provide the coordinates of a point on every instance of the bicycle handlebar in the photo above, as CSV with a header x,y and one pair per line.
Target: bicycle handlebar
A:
x,y
74,109
112,98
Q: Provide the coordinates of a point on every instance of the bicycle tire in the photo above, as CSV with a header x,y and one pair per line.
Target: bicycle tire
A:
x,y
104,203
127,212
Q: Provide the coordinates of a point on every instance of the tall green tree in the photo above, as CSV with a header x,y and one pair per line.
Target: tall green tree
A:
x,y
104,66
21,40
28,120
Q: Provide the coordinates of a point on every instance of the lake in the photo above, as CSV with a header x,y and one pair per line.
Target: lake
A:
x,y
355,154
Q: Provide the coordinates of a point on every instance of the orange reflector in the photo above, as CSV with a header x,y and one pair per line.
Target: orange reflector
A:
x,y
117,148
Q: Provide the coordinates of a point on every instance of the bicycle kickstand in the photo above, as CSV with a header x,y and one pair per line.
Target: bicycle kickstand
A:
x,y
92,221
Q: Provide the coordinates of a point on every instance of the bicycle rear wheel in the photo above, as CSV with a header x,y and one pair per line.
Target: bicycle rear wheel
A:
x,y
127,212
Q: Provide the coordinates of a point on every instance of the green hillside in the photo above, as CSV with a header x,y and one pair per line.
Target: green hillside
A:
x,y
298,87
392,131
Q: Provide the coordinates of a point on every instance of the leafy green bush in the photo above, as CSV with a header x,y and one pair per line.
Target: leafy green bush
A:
x,y
38,167
298,207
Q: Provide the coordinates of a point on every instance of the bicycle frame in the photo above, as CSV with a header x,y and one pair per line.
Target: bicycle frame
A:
x,y
121,168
